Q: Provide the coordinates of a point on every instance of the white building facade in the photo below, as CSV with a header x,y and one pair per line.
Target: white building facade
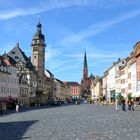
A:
x,y
9,81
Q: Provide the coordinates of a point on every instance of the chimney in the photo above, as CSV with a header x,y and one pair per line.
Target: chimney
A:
x,y
17,45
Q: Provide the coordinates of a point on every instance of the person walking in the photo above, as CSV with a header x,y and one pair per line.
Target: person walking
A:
x,y
123,105
17,108
129,105
132,105
78,101
4,108
116,104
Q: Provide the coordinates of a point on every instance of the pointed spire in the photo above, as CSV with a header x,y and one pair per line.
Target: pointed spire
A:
x,y
39,26
85,60
38,34
38,19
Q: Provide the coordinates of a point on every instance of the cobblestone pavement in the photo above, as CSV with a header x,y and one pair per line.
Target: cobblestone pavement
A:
x,y
72,122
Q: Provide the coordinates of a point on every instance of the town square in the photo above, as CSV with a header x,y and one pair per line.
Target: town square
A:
x,y
71,122
70,70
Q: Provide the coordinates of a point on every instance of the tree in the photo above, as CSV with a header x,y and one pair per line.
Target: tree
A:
x,y
84,94
129,96
119,97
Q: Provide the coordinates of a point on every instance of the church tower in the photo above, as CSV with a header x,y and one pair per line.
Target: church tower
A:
x,y
85,68
38,55
85,85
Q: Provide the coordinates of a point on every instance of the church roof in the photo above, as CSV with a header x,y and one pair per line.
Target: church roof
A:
x,y
48,73
59,81
38,34
85,60
16,55
73,84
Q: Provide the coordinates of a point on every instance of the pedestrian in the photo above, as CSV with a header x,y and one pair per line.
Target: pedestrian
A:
x,y
4,109
17,108
1,111
132,104
73,101
129,105
116,103
78,101
123,105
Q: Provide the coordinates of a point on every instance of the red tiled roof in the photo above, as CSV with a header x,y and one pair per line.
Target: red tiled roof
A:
x,y
72,83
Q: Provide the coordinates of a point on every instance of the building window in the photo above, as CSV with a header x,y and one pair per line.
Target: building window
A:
x,y
122,72
34,57
12,52
1,89
122,81
16,57
129,86
129,75
34,49
138,76
123,90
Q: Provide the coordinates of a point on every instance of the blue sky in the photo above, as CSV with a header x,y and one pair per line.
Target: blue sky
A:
x,y
106,29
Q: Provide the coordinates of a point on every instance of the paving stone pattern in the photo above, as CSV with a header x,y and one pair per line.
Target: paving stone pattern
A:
x,y
72,122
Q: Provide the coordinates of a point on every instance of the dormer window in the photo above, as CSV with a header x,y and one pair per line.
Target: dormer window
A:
x,y
16,57
13,52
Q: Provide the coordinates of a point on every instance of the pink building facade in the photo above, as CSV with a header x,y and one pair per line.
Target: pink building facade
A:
x,y
74,88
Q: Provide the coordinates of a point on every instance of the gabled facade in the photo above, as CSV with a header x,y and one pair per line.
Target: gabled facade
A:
x,y
104,84
61,91
49,84
113,79
96,88
74,88
24,67
9,81
24,88
129,76
135,68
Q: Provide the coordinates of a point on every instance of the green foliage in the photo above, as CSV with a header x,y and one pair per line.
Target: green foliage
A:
x,y
101,98
119,97
84,94
129,96
89,99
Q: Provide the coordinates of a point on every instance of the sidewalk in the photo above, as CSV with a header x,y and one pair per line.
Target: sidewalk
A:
x,y
24,109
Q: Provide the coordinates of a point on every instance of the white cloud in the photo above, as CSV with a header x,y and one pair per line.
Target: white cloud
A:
x,y
52,53
100,27
93,55
70,67
97,57
47,5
